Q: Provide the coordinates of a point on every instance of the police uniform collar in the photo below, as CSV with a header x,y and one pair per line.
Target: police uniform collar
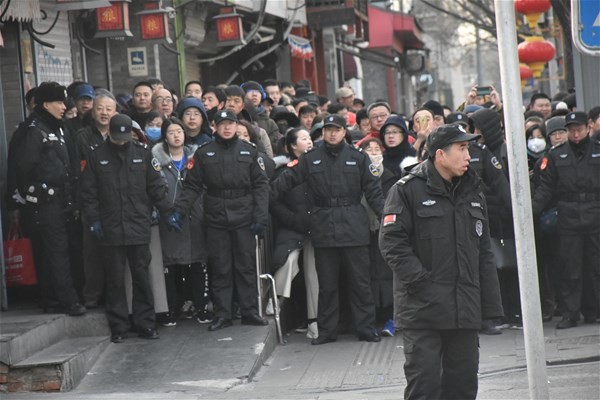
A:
x,y
226,142
335,149
47,119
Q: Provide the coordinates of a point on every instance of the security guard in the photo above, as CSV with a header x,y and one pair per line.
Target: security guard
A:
x,y
435,237
570,174
120,182
338,175
235,209
44,175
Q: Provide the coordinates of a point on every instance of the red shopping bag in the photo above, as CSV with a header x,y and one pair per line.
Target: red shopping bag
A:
x,y
18,258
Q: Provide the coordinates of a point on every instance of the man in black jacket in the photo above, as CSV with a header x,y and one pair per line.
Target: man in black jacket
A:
x,y
435,237
235,209
120,183
570,174
337,175
43,168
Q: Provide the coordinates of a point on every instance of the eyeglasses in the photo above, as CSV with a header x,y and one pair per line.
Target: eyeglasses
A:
x,y
379,116
167,100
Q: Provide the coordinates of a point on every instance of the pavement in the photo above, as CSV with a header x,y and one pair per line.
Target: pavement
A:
x,y
188,362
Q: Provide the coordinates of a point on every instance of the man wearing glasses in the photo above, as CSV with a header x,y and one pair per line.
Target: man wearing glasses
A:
x,y
162,102
377,113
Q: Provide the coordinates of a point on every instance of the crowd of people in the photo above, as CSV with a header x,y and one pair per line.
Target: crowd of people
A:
x,y
151,205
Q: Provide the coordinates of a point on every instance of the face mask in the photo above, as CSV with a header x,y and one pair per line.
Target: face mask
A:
x,y
153,133
536,145
376,159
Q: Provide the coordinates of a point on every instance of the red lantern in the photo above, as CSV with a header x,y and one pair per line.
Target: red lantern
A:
x,y
229,27
113,21
532,9
536,52
154,22
525,74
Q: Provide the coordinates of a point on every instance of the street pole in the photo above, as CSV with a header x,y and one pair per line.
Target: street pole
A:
x,y
521,200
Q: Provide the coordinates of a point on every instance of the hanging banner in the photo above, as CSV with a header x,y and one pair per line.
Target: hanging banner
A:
x,y
300,47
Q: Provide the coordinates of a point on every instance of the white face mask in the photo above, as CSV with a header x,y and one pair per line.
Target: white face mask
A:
x,y
536,145
376,159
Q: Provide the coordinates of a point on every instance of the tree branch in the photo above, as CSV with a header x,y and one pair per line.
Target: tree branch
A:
x,y
487,28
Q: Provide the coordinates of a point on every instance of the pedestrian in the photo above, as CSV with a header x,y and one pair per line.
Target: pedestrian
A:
x,y
195,121
394,137
293,251
377,112
193,89
435,237
570,174
230,174
163,102
184,253
44,179
141,102
338,175
120,183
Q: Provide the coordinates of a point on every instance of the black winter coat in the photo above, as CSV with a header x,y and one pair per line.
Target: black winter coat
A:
x,y
291,215
574,182
237,188
118,187
188,246
337,177
437,243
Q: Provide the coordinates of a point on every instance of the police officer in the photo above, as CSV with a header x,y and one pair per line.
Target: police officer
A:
x,y
570,175
120,182
235,209
435,237
44,176
337,175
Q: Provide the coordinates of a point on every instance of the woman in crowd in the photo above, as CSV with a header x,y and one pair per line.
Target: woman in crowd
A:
x,y
394,135
184,253
290,216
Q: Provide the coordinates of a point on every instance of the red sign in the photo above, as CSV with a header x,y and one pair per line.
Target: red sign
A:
x,y
229,27
153,26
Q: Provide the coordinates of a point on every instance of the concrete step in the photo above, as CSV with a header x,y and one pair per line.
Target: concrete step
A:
x,y
59,367
24,333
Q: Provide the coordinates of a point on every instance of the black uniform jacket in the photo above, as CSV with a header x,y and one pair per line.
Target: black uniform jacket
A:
x,y
237,188
574,182
436,240
118,188
337,179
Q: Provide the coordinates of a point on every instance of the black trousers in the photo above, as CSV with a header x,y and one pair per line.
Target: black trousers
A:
x,y
232,259
46,226
580,275
185,282
354,263
93,267
441,364
115,261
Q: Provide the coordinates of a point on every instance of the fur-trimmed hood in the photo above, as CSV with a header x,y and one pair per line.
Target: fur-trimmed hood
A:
x,y
159,151
280,161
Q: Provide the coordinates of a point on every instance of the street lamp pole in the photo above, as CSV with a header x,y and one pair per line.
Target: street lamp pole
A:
x,y
521,200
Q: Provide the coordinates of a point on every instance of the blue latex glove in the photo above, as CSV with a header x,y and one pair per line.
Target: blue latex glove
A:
x,y
96,229
173,222
257,229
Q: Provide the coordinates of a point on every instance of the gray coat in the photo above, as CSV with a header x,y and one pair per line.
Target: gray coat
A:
x,y
189,246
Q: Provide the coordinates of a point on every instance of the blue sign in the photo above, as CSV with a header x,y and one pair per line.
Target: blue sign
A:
x,y
586,25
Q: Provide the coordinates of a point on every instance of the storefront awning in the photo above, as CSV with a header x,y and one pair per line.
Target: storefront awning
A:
x,y
22,11
393,29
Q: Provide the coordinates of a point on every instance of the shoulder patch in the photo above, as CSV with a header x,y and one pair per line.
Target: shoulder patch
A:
x,y
261,163
293,163
544,163
496,163
155,164
191,162
556,146
140,144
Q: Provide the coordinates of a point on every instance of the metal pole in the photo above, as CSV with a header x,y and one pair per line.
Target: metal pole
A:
x,y
478,57
521,200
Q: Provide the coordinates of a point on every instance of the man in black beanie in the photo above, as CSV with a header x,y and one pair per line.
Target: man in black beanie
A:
x,y
43,176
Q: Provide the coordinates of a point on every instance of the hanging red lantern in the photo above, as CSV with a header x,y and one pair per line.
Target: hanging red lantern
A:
x,y
532,9
154,22
525,73
536,52
113,21
229,27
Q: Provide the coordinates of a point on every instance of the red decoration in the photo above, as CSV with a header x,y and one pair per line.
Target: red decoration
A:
x,y
525,74
532,9
229,27
113,21
154,25
536,52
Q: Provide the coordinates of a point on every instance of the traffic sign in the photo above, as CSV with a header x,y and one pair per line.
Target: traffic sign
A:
x,y
585,25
